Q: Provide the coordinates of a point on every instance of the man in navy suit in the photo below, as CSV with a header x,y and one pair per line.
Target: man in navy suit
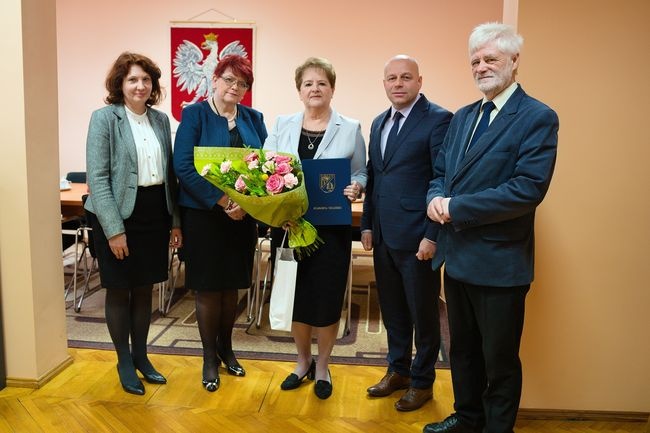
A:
x,y
492,172
404,142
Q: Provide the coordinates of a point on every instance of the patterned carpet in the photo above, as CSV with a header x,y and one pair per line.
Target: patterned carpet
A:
x,y
177,332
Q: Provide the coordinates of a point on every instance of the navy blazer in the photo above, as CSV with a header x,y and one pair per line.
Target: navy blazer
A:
x,y
200,126
494,189
395,204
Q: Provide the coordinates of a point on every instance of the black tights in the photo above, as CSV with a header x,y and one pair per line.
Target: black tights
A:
x,y
128,314
215,314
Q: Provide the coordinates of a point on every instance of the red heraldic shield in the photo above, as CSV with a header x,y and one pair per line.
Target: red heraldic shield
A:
x,y
195,53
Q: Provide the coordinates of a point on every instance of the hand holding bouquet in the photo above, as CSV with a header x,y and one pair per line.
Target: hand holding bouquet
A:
x,y
266,184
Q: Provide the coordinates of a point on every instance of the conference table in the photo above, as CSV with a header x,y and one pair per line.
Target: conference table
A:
x,y
71,204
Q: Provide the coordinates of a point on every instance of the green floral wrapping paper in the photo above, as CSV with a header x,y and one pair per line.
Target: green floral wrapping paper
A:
x,y
274,209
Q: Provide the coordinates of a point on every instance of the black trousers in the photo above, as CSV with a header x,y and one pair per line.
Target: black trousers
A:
x,y
408,292
485,326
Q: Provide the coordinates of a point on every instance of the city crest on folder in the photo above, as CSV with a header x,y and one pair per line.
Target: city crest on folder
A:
x,y
327,182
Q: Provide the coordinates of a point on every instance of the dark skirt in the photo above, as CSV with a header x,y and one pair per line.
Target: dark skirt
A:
x,y
322,277
147,237
217,250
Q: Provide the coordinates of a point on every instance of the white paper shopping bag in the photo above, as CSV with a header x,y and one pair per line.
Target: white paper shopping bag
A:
x,y
283,289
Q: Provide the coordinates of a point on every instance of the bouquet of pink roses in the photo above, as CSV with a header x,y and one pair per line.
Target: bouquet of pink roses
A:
x,y
268,185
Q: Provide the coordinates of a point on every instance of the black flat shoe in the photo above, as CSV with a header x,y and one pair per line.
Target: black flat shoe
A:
x,y
211,385
129,385
233,368
293,381
323,388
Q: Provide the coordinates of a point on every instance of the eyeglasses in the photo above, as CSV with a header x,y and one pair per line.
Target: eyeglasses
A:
x,y
231,81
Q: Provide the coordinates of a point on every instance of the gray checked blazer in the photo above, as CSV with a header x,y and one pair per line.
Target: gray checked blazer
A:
x,y
112,166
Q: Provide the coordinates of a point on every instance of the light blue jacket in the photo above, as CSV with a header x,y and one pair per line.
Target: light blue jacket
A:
x,y
112,166
342,139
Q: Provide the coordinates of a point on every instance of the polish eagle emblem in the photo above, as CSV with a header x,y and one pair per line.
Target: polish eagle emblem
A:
x,y
194,72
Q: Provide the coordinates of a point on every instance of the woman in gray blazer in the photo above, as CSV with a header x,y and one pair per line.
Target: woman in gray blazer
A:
x,y
132,208
319,132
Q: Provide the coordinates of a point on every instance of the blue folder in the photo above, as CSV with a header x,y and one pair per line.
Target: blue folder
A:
x,y
325,180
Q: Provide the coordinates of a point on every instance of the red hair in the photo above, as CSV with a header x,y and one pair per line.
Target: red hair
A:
x,y
240,66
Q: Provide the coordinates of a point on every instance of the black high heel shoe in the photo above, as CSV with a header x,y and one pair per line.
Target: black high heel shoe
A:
x,y
323,388
233,368
293,381
131,386
150,374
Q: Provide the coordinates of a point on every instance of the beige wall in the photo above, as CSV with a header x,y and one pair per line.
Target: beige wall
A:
x,y
31,280
357,36
586,342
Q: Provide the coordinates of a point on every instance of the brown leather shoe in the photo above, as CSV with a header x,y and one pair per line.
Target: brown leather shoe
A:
x,y
414,399
388,384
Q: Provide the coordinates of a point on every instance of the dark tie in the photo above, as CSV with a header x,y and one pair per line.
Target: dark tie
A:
x,y
483,123
391,140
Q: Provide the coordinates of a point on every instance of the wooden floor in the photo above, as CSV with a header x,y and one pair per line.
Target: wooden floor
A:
x,y
87,397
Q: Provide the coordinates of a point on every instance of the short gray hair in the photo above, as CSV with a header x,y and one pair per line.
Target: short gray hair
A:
x,y
507,40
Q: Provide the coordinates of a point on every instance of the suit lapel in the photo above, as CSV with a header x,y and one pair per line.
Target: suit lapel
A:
x,y
332,128
296,130
375,143
125,132
466,133
415,116
485,142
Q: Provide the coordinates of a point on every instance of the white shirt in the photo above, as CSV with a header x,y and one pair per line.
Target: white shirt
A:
x,y
147,146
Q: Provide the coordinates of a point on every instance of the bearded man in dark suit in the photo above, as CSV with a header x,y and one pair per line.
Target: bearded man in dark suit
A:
x,y
493,170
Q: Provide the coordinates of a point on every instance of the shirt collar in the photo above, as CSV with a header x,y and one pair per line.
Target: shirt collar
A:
x,y
501,99
405,111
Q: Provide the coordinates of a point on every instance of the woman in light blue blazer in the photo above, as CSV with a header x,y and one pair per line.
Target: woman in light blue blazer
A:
x,y
132,208
319,132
